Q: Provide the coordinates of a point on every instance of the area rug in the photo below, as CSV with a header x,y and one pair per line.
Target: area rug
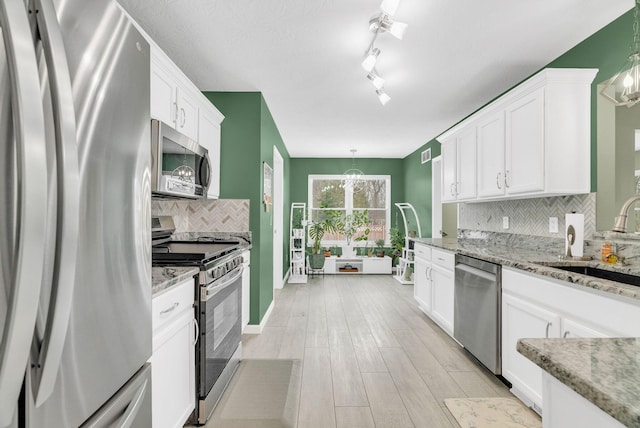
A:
x,y
262,394
492,412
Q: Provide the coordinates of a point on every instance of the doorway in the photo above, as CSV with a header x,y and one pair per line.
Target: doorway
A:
x,y
278,217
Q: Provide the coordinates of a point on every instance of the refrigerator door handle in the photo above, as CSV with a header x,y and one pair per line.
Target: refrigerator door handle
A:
x,y
28,124
132,409
48,360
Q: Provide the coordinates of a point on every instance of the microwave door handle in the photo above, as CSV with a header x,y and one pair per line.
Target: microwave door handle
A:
x,y
28,128
206,156
68,204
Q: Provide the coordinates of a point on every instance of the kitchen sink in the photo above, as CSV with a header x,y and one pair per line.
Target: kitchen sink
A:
x,y
601,273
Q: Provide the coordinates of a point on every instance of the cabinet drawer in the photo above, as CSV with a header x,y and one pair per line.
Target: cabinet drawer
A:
x,y
168,306
443,259
422,251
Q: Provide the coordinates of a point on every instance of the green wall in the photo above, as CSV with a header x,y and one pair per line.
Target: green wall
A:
x,y
301,168
247,139
605,50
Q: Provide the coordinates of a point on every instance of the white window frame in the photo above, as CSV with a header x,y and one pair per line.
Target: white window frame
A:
x,y
348,201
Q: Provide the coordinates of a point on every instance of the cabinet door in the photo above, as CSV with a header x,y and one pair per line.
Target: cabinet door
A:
x,y
187,115
522,319
449,177
491,156
442,297
209,138
525,144
173,373
163,95
466,164
573,328
422,284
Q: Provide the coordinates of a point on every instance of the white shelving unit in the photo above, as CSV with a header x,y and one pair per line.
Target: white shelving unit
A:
x,y
297,244
406,261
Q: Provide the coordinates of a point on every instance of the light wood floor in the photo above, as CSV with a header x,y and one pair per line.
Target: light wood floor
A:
x,y
370,357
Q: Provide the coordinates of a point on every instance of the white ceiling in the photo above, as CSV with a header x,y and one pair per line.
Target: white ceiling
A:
x,y
304,56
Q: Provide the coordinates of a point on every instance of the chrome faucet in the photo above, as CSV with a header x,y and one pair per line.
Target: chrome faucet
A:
x,y
621,220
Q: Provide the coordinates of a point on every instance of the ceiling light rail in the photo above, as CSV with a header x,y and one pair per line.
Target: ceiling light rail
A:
x,y
381,23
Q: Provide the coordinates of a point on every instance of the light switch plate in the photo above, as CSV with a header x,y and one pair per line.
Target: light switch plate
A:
x,y
553,224
505,222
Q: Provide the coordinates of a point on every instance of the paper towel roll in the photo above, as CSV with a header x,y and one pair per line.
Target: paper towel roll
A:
x,y
577,221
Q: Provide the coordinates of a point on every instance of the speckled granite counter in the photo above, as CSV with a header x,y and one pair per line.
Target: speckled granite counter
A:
x,y
163,278
536,259
604,371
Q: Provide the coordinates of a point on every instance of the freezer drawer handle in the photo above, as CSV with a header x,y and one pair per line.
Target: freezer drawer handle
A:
x,y
132,409
28,261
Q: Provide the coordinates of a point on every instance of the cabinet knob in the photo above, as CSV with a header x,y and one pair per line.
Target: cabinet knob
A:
x,y
546,335
506,179
498,181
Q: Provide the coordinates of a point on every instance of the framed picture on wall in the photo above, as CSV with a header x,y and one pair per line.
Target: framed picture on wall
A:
x,y
267,186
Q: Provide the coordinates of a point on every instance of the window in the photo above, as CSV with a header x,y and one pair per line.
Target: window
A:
x,y
326,193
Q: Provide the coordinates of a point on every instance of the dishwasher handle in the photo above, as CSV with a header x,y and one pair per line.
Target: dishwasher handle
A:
x,y
489,276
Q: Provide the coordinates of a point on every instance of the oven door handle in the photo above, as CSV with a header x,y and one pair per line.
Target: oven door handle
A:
x,y
214,289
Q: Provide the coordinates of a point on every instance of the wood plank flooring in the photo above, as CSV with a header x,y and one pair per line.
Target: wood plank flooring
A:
x,y
370,357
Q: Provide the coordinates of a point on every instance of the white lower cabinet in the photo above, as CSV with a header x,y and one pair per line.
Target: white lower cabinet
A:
x,y
422,278
524,319
173,360
563,407
433,286
535,306
443,283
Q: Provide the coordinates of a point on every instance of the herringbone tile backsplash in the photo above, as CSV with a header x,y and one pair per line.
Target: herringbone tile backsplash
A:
x,y
221,215
529,216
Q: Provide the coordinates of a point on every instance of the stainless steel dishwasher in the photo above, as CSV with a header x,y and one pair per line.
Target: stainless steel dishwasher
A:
x,y
477,310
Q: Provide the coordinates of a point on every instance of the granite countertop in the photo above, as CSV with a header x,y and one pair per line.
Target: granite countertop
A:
x,y
604,371
536,260
163,278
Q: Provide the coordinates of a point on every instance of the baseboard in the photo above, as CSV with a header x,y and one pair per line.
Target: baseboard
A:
x,y
286,276
257,329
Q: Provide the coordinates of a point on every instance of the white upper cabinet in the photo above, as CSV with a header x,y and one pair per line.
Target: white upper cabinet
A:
x,y
533,141
524,149
459,166
491,165
209,138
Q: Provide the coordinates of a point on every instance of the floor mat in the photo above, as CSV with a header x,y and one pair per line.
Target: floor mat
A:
x,y
262,394
492,413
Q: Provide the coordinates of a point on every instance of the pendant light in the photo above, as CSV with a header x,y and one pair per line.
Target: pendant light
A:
x,y
624,88
353,177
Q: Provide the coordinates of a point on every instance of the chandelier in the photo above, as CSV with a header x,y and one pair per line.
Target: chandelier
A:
x,y
382,23
352,178
184,172
624,88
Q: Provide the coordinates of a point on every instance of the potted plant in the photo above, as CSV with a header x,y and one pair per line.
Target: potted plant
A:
x,y
348,225
380,248
397,243
317,230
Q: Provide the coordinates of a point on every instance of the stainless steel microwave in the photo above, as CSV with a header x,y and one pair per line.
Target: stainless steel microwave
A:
x,y
180,167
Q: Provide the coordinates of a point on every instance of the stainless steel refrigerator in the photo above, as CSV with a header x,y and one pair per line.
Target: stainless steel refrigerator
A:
x,y
75,258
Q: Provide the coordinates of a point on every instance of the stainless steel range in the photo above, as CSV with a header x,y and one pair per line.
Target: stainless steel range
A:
x,y
218,302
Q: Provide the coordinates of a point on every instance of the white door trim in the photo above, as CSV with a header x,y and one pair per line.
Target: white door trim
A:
x,y
436,197
278,217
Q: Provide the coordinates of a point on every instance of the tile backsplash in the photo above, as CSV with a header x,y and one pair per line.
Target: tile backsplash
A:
x,y
220,215
528,216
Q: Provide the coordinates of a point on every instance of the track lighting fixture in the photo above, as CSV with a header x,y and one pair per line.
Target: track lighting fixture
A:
x,y
382,96
377,81
382,23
